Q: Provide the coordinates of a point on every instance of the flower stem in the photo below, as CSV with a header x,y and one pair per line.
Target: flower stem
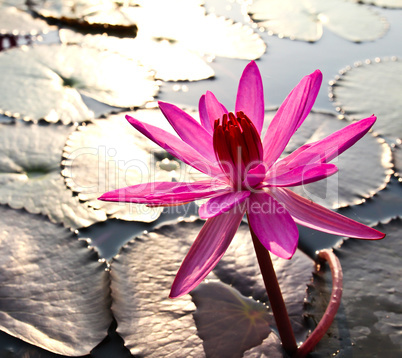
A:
x,y
333,305
275,296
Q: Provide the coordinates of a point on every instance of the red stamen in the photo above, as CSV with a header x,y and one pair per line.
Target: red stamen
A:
x,y
237,145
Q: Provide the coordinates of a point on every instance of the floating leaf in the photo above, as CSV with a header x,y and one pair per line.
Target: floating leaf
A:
x,y
110,154
383,3
170,61
142,274
18,22
105,14
150,323
384,206
368,323
240,269
398,161
186,22
228,323
372,87
46,82
30,173
305,20
54,291
364,169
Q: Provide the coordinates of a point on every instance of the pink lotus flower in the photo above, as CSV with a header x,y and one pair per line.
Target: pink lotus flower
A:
x,y
247,174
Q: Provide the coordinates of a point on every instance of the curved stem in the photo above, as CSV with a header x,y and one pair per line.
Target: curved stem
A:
x,y
333,305
275,296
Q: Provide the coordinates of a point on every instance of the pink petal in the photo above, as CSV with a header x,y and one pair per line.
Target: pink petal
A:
x,y
301,175
328,148
176,147
166,193
215,109
314,216
189,130
250,95
272,224
290,116
255,176
208,248
222,203
202,109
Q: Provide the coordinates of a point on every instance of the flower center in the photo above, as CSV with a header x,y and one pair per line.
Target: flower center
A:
x,y
237,146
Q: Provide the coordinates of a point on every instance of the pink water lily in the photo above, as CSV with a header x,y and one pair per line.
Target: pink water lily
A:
x,y
247,175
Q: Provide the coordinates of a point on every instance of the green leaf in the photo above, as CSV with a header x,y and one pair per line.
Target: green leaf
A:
x,y
229,323
187,23
398,161
111,154
305,20
364,169
171,61
107,13
19,22
368,323
53,290
30,174
372,87
47,82
152,324
383,3
239,268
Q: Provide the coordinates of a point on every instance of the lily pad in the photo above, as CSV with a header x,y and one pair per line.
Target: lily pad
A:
x,y
368,323
364,169
46,82
170,61
30,173
398,160
305,20
372,87
105,14
150,323
240,269
153,325
109,154
383,3
54,290
187,23
18,22
228,322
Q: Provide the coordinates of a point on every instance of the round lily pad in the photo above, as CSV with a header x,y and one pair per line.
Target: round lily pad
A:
x,y
187,23
30,173
239,268
109,154
383,3
306,20
54,291
151,324
46,82
106,14
397,153
18,22
364,169
372,87
368,322
171,61
229,323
